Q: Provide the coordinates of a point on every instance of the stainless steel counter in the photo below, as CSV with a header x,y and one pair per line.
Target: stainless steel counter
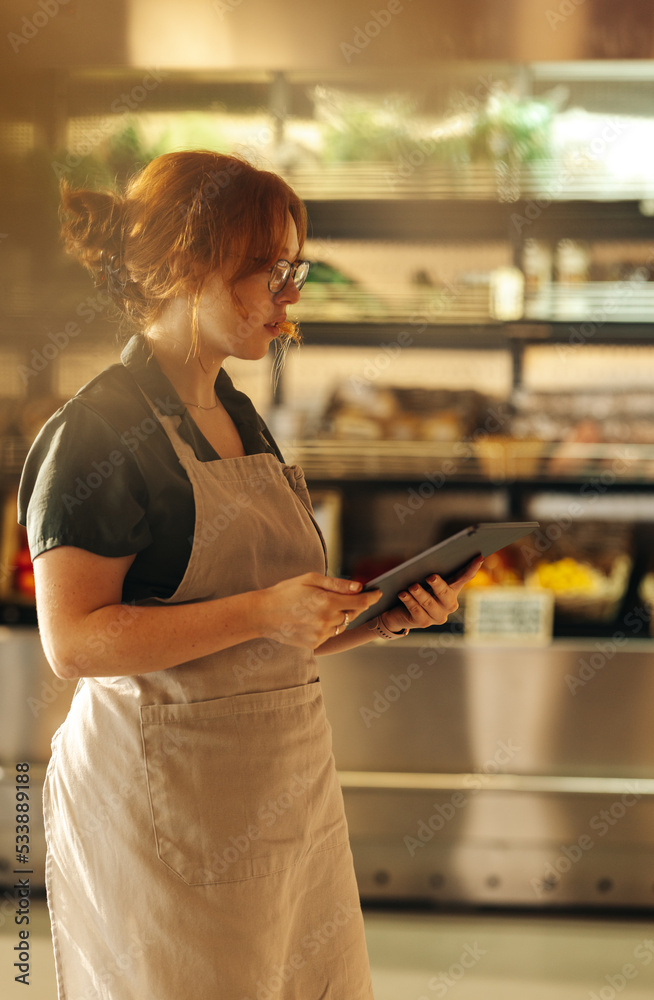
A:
x,y
498,775
494,775
33,703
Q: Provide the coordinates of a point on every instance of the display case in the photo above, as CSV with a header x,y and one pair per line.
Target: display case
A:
x,y
477,347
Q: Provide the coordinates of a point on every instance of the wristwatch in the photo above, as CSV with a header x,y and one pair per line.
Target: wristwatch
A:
x,y
377,625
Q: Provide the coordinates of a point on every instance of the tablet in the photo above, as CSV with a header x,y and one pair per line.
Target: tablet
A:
x,y
448,559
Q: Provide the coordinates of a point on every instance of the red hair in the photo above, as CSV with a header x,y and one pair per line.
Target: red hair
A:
x,y
184,216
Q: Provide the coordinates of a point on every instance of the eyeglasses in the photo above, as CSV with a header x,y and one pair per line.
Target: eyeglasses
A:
x,y
282,270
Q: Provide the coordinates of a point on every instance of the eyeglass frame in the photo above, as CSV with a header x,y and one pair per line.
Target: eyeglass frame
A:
x,y
292,271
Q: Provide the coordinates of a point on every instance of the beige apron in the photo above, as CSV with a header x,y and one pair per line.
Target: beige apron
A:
x,y
197,844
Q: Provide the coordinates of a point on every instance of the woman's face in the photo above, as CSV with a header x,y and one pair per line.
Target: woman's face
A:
x,y
224,330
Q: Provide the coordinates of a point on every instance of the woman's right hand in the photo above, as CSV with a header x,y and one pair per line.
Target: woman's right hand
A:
x,y
87,630
306,610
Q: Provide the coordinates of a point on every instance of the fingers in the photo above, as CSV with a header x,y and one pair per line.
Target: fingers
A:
x,y
356,600
341,626
428,608
467,574
333,583
434,603
308,609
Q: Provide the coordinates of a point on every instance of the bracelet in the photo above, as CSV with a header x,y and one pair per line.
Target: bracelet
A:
x,y
377,625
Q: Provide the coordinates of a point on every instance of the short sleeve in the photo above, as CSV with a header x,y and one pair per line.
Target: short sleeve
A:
x,y
81,486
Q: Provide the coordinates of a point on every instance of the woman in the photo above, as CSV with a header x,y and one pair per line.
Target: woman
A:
x,y
197,844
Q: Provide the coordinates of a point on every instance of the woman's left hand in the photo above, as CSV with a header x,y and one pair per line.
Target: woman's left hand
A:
x,y
433,605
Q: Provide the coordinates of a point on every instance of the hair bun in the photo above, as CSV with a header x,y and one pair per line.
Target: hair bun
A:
x,y
91,224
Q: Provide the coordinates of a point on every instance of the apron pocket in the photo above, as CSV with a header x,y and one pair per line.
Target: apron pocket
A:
x,y
233,781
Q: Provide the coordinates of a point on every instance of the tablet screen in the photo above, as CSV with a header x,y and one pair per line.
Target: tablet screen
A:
x,y
448,558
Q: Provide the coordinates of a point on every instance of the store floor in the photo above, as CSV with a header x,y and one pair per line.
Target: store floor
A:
x,y
465,956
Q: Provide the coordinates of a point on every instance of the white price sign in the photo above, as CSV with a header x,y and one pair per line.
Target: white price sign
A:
x,y
517,615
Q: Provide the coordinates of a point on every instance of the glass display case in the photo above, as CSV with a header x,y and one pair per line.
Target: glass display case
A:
x,y
477,346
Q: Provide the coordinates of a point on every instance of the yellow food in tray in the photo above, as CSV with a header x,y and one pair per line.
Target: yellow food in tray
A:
x,y
567,574
582,590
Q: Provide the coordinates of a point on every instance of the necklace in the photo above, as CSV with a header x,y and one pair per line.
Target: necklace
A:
x,y
200,406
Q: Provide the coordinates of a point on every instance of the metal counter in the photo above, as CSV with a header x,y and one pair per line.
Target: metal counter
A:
x,y
474,775
498,775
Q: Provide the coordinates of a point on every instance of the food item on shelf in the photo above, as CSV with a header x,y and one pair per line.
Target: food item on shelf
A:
x,y
537,264
586,565
351,422
17,577
23,573
444,426
618,416
500,569
566,457
567,574
403,427
393,413
572,262
581,590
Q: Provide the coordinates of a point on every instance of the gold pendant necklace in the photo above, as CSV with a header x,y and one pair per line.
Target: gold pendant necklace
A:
x,y
200,406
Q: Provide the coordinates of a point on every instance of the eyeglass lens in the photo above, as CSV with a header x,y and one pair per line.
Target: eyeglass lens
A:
x,y
282,270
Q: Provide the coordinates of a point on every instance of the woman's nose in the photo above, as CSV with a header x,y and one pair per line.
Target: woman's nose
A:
x,y
289,293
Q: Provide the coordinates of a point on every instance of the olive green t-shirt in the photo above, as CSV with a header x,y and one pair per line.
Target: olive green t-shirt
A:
x,y
103,476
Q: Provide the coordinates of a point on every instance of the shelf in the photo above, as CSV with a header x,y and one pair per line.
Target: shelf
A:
x,y
408,177
586,302
413,332
486,460
419,218
459,304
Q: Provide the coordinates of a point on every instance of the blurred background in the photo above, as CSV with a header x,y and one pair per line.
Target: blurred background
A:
x,y
477,347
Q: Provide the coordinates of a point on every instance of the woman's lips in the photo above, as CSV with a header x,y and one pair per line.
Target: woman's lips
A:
x,y
277,326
